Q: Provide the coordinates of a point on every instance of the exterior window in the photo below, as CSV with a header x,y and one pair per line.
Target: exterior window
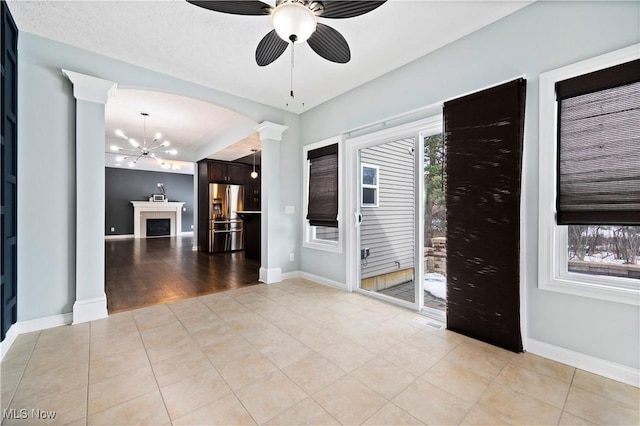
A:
x,y
369,178
589,204
611,250
322,177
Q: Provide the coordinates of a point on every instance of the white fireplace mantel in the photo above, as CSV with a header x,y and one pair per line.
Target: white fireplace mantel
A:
x,y
158,210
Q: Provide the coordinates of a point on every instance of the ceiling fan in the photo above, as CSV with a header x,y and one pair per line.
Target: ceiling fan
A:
x,y
295,21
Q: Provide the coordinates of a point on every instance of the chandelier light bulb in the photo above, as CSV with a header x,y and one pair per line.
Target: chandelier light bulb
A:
x,y
136,149
294,22
254,174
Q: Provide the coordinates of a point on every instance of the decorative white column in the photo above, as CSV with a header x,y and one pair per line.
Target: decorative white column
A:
x,y
91,95
270,137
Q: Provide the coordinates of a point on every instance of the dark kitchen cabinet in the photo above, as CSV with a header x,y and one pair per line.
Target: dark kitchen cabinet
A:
x,y
252,192
225,172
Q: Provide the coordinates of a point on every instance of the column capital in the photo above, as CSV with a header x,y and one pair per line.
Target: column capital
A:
x,y
89,88
269,130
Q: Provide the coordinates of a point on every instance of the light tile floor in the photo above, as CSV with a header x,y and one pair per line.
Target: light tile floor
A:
x,y
288,354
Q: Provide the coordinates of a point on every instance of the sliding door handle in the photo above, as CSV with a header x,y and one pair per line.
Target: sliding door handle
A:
x,y
358,218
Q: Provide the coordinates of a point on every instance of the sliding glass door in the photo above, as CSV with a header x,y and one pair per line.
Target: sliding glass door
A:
x,y
387,213
398,246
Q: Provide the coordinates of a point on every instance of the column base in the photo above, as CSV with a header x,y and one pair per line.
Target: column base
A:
x,y
270,276
90,309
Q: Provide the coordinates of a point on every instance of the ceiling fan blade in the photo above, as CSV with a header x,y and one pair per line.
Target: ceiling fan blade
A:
x,y
270,48
239,7
330,44
338,9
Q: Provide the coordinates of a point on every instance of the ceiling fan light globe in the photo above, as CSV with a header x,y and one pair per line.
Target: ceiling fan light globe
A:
x,y
293,19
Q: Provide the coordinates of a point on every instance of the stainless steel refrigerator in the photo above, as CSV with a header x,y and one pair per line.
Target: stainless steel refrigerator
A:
x,y
225,226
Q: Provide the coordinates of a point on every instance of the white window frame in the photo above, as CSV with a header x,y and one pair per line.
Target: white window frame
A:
x,y
363,185
309,239
553,273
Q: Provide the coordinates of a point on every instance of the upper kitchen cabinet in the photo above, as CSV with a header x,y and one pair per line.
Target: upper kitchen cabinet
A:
x,y
224,172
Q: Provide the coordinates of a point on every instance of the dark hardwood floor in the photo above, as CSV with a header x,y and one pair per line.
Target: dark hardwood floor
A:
x,y
143,272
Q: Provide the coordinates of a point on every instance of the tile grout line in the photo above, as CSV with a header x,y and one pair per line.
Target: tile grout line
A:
x,y
152,370
278,368
24,370
86,414
210,363
566,398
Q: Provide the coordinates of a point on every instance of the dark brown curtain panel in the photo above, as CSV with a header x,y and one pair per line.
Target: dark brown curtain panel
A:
x,y
483,137
323,186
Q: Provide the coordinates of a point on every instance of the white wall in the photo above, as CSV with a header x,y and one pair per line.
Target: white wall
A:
x,y
46,164
540,37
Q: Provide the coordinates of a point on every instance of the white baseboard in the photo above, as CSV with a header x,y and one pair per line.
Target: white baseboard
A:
x,y
119,237
316,278
32,325
270,275
611,370
90,309
131,236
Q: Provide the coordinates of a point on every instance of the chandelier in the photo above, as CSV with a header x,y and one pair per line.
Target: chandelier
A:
x,y
144,149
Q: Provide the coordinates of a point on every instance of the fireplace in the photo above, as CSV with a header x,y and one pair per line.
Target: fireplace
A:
x,y
158,227
145,210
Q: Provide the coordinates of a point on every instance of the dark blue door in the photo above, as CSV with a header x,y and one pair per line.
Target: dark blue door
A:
x,y
8,185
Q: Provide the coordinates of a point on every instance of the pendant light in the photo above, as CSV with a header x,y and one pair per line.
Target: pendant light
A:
x,y
254,174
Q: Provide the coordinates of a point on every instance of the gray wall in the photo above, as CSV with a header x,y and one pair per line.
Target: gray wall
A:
x,y
388,230
125,185
46,159
538,38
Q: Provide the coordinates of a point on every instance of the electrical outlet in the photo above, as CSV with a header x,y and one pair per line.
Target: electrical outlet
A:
x,y
289,209
113,229
292,257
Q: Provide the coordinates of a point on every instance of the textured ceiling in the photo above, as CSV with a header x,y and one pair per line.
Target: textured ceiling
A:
x,y
217,50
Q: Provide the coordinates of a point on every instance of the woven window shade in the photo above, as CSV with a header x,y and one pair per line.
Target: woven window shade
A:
x,y
483,138
599,147
323,186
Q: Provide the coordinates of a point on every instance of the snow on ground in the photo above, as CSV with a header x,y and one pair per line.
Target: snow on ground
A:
x,y
436,284
606,258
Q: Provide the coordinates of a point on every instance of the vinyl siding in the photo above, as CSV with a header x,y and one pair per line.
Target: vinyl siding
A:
x,y
388,230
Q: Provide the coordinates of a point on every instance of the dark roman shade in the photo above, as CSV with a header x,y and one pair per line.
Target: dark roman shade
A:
x,y
483,139
599,147
323,186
